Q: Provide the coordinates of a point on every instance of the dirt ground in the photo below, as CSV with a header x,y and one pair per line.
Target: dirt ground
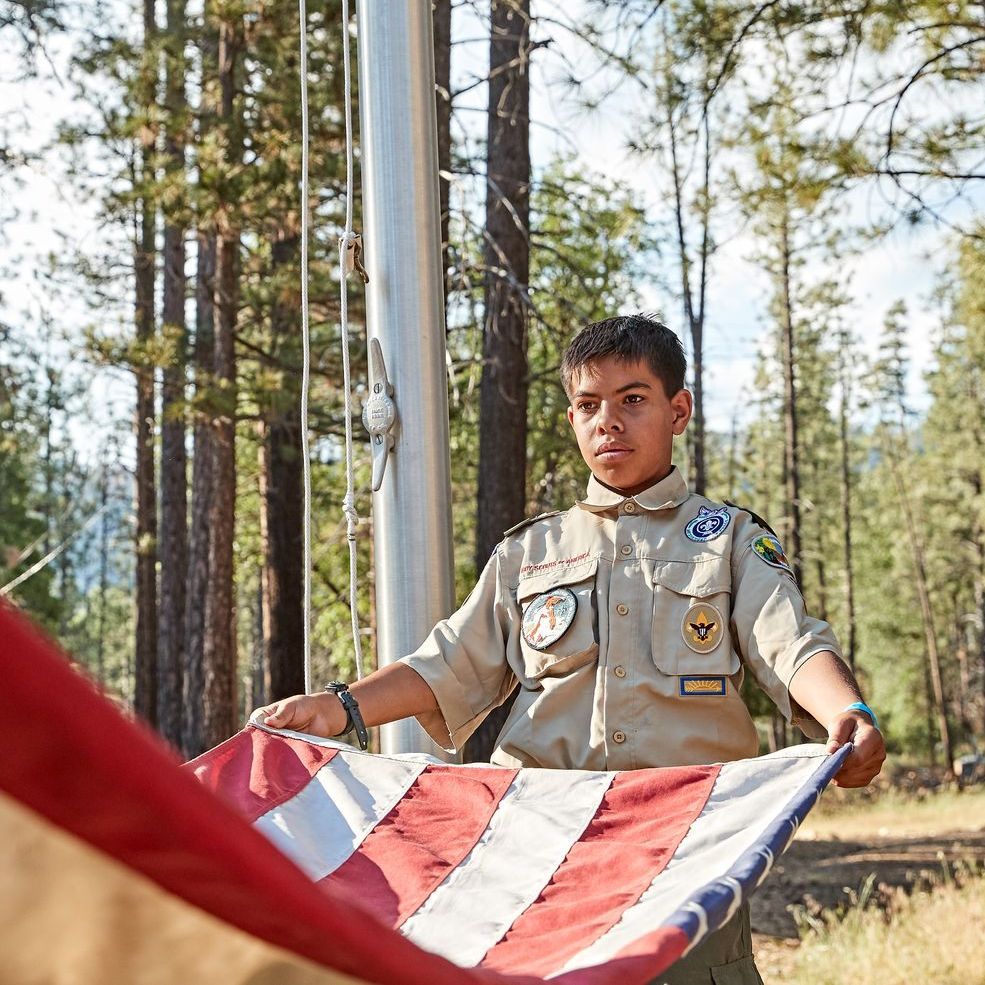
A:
x,y
816,873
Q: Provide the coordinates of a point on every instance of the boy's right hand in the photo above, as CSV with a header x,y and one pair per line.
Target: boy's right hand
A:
x,y
316,714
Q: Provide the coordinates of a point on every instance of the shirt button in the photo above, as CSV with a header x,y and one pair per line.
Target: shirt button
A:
x,y
622,608
619,671
619,736
630,507
626,550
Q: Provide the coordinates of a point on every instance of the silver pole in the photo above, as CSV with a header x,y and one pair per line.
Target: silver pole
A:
x,y
405,312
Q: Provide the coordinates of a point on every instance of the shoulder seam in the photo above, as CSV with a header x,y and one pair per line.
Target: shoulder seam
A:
x,y
529,520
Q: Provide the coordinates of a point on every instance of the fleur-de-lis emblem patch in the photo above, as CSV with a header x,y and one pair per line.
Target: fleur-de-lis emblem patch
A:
x,y
702,627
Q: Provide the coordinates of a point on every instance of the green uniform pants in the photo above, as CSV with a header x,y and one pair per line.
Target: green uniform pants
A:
x,y
722,958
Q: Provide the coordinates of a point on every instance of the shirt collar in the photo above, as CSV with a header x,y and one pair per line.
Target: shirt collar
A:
x,y
669,492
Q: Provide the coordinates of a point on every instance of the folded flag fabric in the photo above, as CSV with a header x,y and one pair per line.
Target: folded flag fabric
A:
x,y
292,860
564,875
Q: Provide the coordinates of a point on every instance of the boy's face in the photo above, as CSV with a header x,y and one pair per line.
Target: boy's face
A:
x,y
625,423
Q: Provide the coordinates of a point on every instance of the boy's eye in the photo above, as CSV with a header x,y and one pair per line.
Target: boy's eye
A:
x,y
634,398
586,405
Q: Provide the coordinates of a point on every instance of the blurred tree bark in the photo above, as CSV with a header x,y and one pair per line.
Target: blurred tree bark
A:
x,y
145,663
503,396
173,549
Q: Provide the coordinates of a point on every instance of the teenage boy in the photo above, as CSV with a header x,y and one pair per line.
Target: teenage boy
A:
x,y
625,623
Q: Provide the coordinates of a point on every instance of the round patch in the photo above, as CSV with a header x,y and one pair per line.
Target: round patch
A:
x,y
702,627
547,617
708,524
771,551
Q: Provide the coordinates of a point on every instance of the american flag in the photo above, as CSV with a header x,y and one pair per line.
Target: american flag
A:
x,y
307,861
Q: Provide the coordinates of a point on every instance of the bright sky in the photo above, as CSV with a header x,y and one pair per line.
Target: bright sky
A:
x,y
52,216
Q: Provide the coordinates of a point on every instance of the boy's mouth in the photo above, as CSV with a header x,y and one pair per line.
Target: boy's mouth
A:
x,y
612,451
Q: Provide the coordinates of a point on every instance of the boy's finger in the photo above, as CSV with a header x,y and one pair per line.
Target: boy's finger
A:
x,y
839,732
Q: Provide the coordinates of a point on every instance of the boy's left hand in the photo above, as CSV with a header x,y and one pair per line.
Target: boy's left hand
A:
x,y
868,752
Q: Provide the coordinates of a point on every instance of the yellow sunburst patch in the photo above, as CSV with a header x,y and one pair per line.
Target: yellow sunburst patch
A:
x,y
703,685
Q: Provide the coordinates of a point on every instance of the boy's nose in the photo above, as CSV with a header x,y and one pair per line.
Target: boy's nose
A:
x,y
608,419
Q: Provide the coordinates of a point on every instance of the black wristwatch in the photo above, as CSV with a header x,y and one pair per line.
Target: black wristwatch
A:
x,y
353,717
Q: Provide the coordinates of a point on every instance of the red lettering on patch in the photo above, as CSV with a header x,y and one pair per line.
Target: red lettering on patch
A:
x,y
528,569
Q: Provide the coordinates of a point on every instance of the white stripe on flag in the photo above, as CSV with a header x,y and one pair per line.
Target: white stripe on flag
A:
x,y
745,800
539,818
328,820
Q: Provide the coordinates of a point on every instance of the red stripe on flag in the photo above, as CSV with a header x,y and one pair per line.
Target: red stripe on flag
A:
x,y
409,853
642,961
637,828
255,772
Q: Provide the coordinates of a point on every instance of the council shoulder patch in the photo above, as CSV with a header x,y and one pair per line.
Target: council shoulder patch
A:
x,y
702,627
771,551
708,524
702,685
547,617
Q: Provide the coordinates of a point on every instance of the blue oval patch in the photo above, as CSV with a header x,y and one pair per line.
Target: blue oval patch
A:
x,y
708,524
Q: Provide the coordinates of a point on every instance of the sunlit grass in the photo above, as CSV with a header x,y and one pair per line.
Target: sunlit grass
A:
x,y
934,936
891,814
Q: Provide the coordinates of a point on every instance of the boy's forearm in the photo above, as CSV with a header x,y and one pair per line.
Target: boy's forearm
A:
x,y
824,686
392,693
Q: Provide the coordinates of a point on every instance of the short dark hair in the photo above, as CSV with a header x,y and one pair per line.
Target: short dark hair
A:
x,y
633,338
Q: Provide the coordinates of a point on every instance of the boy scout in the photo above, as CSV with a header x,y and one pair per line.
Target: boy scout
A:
x,y
626,623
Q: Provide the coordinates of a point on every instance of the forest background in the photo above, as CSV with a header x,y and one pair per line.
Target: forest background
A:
x,y
748,170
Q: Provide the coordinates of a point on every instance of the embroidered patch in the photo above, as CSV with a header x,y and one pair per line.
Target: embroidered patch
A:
x,y
702,685
702,627
771,551
708,524
547,617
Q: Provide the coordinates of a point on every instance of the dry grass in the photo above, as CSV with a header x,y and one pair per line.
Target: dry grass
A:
x,y
891,814
934,936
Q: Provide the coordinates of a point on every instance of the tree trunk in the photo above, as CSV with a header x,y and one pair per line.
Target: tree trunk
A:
x,y
926,614
193,726
694,307
791,465
219,652
283,499
103,577
441,13
503,396
846,518
145,669
193,733
173,551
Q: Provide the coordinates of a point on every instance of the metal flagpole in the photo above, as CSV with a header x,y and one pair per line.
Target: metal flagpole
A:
x,y
405,315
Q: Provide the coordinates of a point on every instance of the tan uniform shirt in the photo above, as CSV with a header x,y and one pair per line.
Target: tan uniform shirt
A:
x,y
674,594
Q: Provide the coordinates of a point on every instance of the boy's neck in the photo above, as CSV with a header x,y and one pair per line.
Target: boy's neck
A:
x,y
636,490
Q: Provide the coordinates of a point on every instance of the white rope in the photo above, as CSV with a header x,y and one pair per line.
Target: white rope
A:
x,y
306,348
347,256
347,259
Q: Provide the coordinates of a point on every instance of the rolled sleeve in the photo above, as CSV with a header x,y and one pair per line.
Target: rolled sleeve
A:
x,y
464,662
775,635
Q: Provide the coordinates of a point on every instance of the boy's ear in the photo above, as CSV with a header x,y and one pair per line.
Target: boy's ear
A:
x,y
571,415
682,406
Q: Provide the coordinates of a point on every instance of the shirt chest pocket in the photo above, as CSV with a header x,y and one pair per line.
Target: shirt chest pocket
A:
x,y
559,621
691,612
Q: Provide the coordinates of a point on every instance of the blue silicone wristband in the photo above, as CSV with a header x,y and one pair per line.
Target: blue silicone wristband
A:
x,y
862,706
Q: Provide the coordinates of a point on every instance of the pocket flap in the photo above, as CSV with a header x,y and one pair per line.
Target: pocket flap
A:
x,y
697,579
543,581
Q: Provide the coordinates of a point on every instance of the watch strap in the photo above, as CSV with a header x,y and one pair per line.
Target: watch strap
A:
x,y
353,716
